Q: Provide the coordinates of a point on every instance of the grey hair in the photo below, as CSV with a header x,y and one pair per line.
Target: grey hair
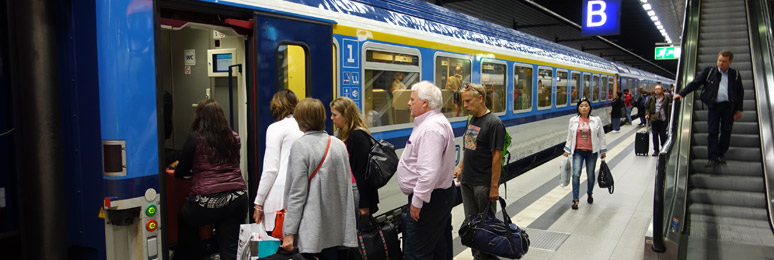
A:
x,y
428,92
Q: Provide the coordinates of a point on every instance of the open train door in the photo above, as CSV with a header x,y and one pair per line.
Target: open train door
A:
x,y
290,52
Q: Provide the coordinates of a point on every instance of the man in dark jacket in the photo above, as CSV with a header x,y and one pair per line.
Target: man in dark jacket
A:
x,y
724,95
658,110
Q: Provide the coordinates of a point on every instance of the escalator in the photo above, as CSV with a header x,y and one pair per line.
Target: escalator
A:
x,y
721,212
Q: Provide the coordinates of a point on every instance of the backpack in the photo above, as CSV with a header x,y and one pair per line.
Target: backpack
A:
x,y
506,143
605,177
382,163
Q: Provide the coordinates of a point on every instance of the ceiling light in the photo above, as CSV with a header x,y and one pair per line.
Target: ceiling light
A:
x,y
646,6
654,18
660,27
657,23
644,1
651,13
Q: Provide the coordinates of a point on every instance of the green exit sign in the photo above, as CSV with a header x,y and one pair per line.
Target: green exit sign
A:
x,y
667,53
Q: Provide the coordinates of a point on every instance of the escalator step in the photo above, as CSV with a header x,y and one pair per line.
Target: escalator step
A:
x,y
735,49
747,116
748,104
725,221
727,182
739,168
734,153
728,211
739,127
728,198
719,22
741,57
737,140
721,43
719,11
738,233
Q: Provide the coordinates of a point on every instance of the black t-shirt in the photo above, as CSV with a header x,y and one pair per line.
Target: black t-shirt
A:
x,y
484,135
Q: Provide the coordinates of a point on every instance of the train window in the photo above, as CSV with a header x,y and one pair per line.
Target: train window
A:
x,y
388,76
522,92
292,72
603,88
493,79
575,83
561,88
451,73
545,87
586,90
610,88
595,89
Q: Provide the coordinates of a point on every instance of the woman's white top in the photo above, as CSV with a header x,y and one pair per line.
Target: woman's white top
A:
x,y
280,137
598,142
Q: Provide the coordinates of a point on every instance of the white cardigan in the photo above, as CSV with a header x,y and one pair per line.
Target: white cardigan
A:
x,y
598,142
280,136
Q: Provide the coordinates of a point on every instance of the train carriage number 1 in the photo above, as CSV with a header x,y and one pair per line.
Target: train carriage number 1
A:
x,y
350,59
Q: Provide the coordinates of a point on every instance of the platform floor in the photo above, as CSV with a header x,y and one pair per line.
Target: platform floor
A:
x,y
612,228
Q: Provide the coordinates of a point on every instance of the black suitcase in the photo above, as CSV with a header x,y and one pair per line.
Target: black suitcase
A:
x,y
641,143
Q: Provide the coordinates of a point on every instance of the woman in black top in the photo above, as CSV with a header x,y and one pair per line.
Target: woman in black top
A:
x,y
354,133
616,114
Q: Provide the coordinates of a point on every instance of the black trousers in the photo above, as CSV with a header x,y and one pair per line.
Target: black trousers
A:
x,y
720,120
430,237
658,129
226,220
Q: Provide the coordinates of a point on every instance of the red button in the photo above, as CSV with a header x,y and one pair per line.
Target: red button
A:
x,y
151,225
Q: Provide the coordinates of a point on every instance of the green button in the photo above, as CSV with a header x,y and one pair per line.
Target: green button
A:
x,y
151,210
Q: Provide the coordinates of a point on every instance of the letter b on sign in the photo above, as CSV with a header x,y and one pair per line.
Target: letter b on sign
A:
x,y
601,17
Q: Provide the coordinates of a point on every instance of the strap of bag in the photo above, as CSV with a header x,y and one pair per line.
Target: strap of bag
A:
x,y
321,161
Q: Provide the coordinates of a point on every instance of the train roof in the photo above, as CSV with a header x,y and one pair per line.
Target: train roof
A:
x,y
427,17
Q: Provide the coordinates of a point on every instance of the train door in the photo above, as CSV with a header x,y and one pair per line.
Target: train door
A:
x,y
199,58
290,53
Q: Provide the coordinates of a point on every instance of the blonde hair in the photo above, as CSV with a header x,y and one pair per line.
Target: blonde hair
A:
x,y
310,115
350,112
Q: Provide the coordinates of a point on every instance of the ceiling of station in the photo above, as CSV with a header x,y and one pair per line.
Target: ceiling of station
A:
x,y
559,21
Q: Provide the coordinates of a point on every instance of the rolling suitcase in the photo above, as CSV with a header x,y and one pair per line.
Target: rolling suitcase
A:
x,y
641,142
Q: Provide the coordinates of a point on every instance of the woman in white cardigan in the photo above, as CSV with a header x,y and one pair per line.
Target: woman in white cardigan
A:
x,y
280,136
585,140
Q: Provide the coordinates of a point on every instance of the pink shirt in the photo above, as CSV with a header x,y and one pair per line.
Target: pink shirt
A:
x,y
583,137
427,162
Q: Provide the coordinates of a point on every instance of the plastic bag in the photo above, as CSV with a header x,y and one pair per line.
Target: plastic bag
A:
x,y
565,171
254,242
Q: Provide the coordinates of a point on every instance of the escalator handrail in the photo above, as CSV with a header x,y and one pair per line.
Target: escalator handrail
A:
x,y
684,63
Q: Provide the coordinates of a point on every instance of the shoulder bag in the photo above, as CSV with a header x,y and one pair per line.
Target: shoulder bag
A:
x,y
605,178
382,163
501,238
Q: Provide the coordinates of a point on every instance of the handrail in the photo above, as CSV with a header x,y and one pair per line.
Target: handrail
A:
x,y
759,24
686,67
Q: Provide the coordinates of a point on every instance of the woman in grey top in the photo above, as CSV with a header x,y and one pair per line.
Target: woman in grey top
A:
x,y
316,229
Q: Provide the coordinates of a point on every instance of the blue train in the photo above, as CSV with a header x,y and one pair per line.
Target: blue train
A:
x,y
132,71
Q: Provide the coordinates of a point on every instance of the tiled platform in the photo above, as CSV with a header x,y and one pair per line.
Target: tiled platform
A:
x,y
612,228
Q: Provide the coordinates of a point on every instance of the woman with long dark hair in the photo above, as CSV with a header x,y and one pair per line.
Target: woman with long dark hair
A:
x,y
218,193
585,141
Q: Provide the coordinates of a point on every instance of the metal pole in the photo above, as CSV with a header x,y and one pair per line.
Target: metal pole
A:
x,y
231,94
34,82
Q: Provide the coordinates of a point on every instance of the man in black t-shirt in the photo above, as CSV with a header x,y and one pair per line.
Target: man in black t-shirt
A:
x,y
480,168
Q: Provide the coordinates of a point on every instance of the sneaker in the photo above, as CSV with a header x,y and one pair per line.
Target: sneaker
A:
x,y
590,199
654,154
574,205
712,163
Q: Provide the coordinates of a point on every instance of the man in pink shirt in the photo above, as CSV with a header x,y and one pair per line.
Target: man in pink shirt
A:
x,y
425,175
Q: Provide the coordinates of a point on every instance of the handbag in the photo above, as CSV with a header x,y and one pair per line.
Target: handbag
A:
x,y
565,171
382,163
488,234
254,242
285,255
279,220
377,242
605,178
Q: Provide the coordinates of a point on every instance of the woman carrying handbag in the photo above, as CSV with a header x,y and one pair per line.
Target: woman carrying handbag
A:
x,y
585,141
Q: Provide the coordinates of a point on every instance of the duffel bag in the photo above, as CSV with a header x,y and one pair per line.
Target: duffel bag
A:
x,y
488,234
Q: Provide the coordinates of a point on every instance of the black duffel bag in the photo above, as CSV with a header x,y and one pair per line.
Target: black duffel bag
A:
x,y
490,235
378,242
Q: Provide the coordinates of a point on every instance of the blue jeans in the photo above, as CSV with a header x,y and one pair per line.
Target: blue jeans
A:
x,y
578,157
629,115
616,123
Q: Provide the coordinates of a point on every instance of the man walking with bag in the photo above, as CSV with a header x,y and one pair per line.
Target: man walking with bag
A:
x,y
424,174
484,140
724,95
658,110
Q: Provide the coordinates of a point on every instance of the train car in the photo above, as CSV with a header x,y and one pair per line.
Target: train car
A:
x,y
142,66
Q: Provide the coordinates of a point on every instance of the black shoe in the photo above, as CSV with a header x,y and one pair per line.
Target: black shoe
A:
x,y
721,160
574,204
712,163
654,154
590,199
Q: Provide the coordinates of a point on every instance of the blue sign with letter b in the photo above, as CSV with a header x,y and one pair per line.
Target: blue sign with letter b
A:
x,y
601,17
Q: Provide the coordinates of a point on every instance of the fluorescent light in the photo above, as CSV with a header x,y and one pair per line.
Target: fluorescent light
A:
x,y
646,7
654,18
657,23
660,27
651,13
644,1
